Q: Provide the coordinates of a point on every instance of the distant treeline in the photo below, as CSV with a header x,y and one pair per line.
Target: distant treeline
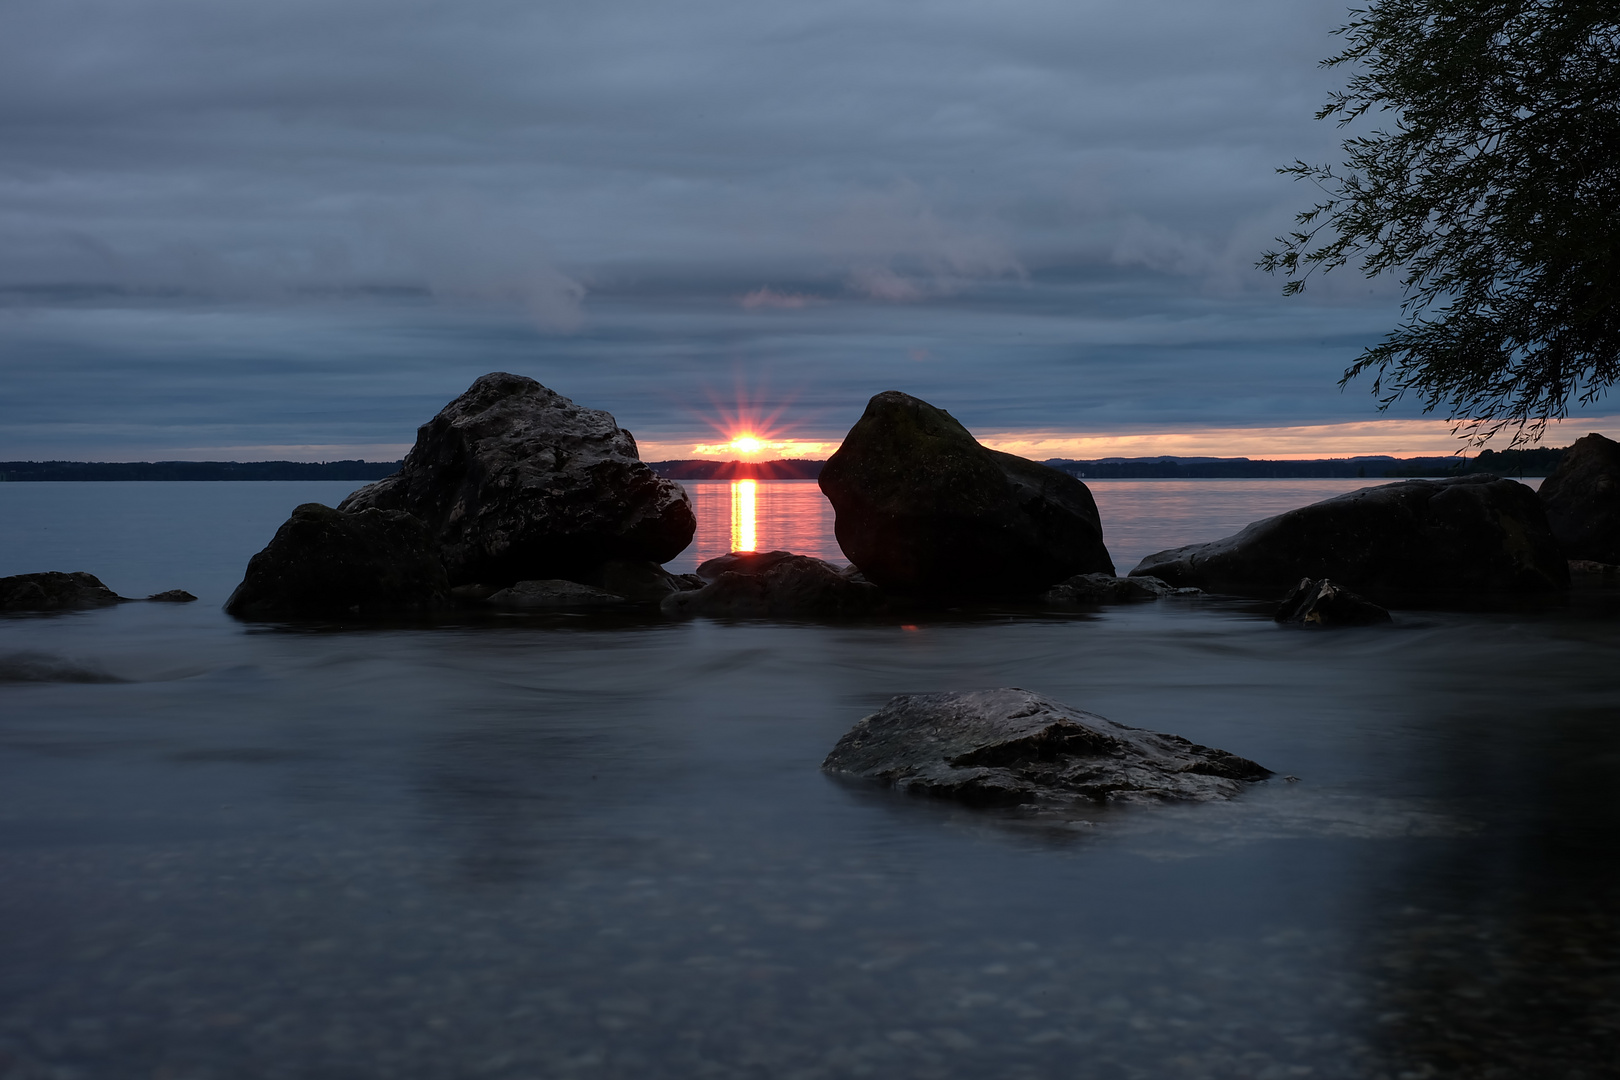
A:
x,y
16,471
1539,461
785,469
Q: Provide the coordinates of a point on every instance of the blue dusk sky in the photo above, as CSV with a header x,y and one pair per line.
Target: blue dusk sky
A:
x,y
295,230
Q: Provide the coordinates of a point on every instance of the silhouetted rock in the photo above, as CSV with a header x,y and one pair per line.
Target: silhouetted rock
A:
x,y
923,509
554,594
518,483
741,562
1588,573
54,591
1322,603
642,582
172,596
781,586
326,563
1470,534
1582,500
1014,746
1090,589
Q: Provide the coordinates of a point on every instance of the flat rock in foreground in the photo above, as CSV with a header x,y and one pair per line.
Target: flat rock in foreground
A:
x,y
1012,746
1467,534
54,591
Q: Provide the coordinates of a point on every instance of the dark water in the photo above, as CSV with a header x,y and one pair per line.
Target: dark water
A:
x,y
604,849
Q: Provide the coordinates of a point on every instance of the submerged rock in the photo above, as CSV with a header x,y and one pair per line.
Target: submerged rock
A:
x,y
171,596
1088,589
1582,500
1465,534
1012,746
554,594
1322,603
518,483
923,509
326,563
54,591
777,585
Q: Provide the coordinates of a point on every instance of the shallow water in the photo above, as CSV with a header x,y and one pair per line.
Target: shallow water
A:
x,y
602,848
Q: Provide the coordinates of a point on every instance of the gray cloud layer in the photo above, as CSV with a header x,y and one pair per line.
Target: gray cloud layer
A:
x,y
310,223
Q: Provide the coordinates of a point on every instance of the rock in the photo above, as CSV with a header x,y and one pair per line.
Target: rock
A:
x,y
1582,500
1086,589
171,596
326,563
782,586
643,582
518,483
923,509
1475,533
1587,573
54,591
1322,603
1014,746
741,562
554,594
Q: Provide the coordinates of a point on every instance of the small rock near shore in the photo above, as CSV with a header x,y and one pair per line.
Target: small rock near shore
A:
x,y
1012,746
54,591
1322,603
171,596
778,584
1092,589
553,594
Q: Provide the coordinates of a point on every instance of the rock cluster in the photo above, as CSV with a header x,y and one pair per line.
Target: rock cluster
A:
x,y
1323,603
1466,534
775,584
1012,746
1582,500
924,510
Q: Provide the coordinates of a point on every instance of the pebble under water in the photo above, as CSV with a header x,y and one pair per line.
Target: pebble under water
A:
x,y
602,847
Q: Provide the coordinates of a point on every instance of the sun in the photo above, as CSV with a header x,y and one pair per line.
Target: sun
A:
x,y
747,443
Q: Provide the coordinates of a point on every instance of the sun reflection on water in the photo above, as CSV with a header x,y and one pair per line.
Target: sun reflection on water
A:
x,y
742,516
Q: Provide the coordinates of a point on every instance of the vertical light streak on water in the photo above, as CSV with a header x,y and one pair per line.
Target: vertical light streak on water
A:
x,y
742,516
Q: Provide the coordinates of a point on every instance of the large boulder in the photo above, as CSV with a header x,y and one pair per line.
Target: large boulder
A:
x,y
1582,500
775,584
1421,537
519,483
54,591
923,509
324,563
1013,746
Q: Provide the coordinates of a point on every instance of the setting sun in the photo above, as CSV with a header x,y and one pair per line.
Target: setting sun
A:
x,y
747,443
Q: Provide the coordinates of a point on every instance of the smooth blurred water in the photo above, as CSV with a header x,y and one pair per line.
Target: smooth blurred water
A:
x,y
603,847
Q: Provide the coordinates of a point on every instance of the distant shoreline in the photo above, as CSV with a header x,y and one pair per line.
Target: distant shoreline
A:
x,y
1540,461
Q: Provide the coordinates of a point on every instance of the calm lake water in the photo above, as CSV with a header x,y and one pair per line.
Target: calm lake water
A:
x,y
590,847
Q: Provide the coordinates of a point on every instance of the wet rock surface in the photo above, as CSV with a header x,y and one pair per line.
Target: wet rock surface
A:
x,y
554,594
1092,589
54,591
1323,603
923,509
1013,746
1468,534
1582,500
519,483
324,563
777,584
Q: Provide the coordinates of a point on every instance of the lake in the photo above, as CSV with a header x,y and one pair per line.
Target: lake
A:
x,y
602,847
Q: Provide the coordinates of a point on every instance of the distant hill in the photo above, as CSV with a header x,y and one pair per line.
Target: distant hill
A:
x,y
20,471
784,469
1539,461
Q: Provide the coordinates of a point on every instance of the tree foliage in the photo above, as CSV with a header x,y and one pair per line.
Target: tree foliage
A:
x,y
1494,189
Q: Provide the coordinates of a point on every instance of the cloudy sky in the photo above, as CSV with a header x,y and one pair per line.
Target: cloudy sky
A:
x,y
297,229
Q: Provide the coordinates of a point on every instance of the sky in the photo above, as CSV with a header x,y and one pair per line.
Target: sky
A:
x,y
296,230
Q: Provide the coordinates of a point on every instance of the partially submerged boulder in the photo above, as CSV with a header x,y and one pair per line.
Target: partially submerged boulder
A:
x,y
783,585
1093,589
1464,534
519,483
1324,603
923,509
54,591
326,563
554,594
1582,500
1012,746
172,596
